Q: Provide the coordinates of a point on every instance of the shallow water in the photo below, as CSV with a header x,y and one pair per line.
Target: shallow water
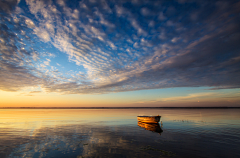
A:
x,y
116,133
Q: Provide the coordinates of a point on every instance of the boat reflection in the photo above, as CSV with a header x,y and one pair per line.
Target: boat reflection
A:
x,y
154,127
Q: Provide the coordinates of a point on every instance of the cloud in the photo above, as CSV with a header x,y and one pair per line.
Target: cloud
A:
x,y
136,26
190,97
29,23
16,60
47,62
13,78
43,34
121,11
8,6
175,39
89,140
224,87
117,48
161,16
35,92
103,20
145,11
112,45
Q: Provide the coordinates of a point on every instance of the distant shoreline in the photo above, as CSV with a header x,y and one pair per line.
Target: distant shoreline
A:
x,y
119,107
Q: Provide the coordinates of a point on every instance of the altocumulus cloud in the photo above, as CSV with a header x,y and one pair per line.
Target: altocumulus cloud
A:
x,y
118,45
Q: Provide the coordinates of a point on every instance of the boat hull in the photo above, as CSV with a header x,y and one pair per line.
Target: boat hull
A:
x,y
154,127
149,119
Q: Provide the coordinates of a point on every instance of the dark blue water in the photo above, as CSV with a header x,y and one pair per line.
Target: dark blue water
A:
x,y
116,133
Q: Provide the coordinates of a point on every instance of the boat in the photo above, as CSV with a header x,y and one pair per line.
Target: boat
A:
x,y
149,119
154,127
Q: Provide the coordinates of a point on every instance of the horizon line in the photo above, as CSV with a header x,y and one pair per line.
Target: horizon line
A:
x,y
221,107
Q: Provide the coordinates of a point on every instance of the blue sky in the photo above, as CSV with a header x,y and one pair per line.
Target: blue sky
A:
x,y
104,47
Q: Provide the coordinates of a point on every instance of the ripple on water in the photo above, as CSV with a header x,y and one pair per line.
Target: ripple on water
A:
x,y
92,134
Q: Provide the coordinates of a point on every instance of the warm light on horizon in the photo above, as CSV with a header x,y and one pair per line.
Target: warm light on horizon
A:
x,y
123,99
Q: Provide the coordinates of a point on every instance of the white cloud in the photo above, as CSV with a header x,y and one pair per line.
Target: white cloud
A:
x,y
29,23
111,45
137,27
42,33
135,45
175,39
47,62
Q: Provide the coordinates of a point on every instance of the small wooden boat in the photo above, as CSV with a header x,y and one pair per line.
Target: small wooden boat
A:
x,y
149,119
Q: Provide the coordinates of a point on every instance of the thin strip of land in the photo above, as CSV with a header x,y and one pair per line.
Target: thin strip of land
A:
x,y
118,107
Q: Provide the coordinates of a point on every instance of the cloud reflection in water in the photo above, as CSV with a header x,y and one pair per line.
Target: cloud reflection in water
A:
x,y
115,133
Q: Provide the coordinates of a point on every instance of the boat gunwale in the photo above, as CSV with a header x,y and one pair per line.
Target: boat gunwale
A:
x,y
149,119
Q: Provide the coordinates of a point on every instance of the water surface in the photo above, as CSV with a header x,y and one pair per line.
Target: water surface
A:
x,y
116,133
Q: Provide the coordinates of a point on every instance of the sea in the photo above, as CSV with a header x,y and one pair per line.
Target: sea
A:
x,y
116,133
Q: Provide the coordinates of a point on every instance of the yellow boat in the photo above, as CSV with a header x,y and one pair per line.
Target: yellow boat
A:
x,y
149,119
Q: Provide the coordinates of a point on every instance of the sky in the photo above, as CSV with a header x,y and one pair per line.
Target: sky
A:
x,y
92,53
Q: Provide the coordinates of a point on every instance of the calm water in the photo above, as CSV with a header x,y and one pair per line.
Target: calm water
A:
x,y
116,133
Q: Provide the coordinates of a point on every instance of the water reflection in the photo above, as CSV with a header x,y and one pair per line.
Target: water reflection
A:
x,y
154,127
114,133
